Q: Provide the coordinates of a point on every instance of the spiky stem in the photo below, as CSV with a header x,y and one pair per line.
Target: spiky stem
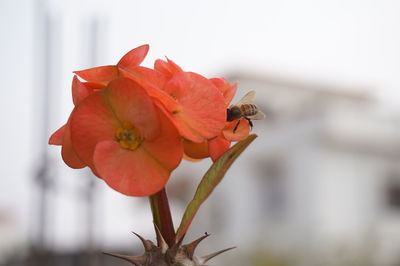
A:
x,y
162,216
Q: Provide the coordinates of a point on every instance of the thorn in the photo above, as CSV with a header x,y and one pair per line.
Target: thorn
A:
x,y
136,260
147,244
190,248
163,244
204,259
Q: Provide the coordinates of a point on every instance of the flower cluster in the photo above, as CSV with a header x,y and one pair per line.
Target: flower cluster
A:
x,y
132,125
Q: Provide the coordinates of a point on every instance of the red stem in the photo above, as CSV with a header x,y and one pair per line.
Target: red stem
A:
x,y
162,216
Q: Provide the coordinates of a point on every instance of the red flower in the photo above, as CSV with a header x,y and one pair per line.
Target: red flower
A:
x,y
97,78
130,122
129,66
218,145
125,139
190,101
201,113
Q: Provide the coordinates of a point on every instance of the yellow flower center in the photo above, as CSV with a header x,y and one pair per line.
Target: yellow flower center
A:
x,y
128,137
175,97
177,100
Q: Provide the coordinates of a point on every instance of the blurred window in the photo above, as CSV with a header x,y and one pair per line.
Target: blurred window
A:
x,y
392,191
273,188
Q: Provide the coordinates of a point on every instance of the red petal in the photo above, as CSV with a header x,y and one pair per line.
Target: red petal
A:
x,y
203,112
242,131
68,153
146,76
167,148
226,89
79,90
92,87
57,137
132,173
190,159
168,68
130,103
153,82
196,150
144,171
102,74
217,147
92,121
134,57
185,131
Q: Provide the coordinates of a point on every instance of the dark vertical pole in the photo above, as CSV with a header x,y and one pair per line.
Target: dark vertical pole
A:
x,y
92,257
45,65
43,173
42,71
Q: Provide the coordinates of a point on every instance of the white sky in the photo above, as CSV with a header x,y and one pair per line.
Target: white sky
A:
x,y
350,42
353,42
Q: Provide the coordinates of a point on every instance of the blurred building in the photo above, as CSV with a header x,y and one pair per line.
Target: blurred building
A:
x,y
322,179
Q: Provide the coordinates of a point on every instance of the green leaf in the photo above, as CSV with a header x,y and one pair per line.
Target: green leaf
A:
x,y
210,180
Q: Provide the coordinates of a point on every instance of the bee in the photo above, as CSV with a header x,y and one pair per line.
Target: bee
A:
x,y
246,109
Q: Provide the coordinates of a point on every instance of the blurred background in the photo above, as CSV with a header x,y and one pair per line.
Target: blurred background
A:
x,y
319,186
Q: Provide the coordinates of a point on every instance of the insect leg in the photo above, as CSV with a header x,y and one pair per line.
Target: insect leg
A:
x,y
237,124
250,122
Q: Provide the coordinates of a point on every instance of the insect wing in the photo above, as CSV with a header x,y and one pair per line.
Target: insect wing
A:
x,y
260,115
248,98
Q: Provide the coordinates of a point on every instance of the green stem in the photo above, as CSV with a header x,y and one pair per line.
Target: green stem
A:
x,y
162,216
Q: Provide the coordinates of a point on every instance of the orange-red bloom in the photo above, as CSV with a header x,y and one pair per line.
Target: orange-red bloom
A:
x,y
97,78
125,139
130,123
201,113
220,144
192,102
129,66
